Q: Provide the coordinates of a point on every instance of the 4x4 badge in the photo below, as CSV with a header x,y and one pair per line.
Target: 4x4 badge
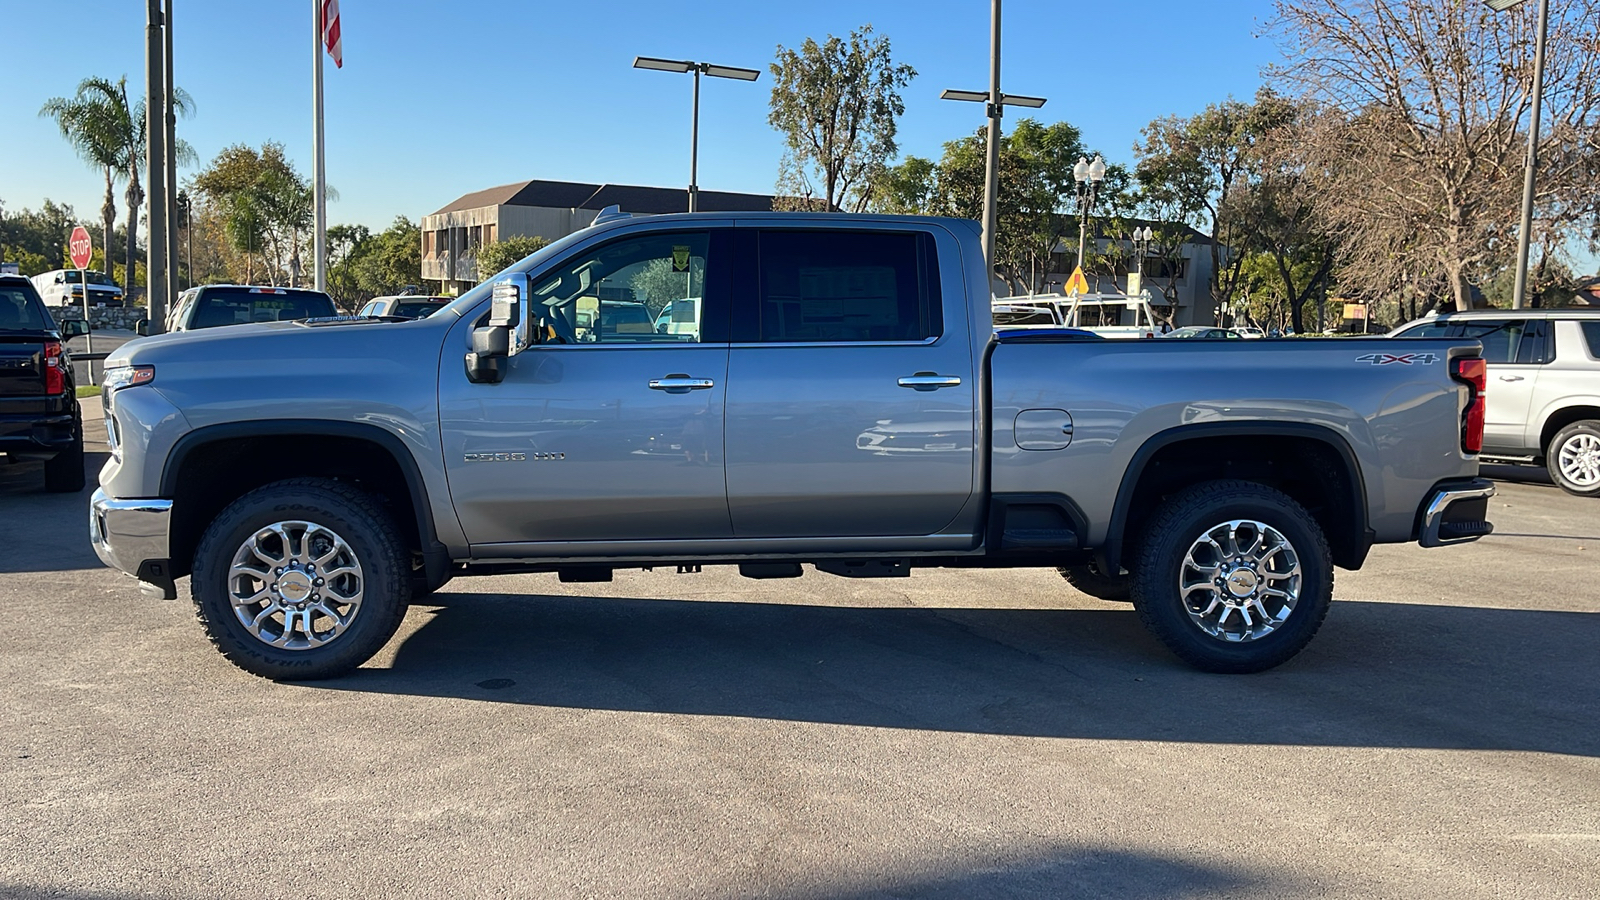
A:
x,y
1405,359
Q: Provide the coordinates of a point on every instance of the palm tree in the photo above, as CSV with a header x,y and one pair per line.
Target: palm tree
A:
x,y
90,123
121,125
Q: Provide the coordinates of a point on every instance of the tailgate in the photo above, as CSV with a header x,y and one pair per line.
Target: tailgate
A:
x,y
21,366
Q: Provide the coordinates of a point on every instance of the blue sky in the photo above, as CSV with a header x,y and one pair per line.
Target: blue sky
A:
x,y
440,98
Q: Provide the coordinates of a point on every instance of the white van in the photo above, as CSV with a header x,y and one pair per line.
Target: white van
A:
x,y
62,287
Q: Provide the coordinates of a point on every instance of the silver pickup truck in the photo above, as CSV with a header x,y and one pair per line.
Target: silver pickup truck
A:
x,y
836,395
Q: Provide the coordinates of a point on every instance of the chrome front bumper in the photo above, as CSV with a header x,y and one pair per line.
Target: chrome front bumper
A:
x,y
131,535
1456,513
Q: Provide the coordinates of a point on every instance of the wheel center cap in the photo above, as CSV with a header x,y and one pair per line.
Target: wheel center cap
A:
x,y
294,586
1242,582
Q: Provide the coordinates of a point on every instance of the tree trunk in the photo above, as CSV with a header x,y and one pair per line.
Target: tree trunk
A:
x,y
108,218
135,199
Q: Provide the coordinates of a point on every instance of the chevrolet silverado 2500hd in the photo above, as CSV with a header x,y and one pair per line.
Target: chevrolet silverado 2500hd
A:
x,y
841,399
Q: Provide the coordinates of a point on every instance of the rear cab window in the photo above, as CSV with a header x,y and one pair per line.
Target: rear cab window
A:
x,y
21,309
242,305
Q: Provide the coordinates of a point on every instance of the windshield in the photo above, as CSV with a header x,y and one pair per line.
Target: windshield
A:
x,y
20,312
70,276
239,305
419,309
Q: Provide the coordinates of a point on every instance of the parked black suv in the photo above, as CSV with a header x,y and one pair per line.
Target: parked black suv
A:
x,y
39,414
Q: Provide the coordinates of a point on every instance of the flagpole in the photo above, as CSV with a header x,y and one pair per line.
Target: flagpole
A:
x,y
319,175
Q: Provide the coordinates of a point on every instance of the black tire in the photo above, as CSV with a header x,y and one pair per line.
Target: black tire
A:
x,y
63,473
1159,568
1088,579
369,533
1585,433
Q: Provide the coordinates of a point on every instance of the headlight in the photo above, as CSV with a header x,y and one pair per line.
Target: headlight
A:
x,y
120,377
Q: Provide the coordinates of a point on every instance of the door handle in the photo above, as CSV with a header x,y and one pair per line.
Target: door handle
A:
x,y
681,384
929,381
1510,377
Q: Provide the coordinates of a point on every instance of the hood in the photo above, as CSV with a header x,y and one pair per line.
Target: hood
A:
x,y
289,342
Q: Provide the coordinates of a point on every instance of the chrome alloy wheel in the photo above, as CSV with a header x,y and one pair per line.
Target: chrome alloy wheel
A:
x,y
1578,458
295,585
1240,580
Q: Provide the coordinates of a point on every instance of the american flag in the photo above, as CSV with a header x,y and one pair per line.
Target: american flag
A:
x,y
330,32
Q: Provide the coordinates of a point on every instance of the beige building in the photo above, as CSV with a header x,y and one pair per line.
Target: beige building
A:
x,y
549,209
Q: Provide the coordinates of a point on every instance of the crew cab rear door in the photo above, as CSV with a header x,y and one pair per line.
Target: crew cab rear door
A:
x,y
851,406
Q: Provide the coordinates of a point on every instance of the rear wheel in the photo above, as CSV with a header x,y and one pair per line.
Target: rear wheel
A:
x,y
63,473
301,579
1088,579
1233,576
1573,458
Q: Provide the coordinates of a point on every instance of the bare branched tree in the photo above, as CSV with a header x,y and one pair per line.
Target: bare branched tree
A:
x,y
1423,151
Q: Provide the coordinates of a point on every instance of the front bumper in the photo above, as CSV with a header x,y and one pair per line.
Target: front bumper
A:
x,y
1456,513
132,536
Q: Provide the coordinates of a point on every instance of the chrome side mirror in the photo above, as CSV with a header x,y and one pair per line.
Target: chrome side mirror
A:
x,y
72,328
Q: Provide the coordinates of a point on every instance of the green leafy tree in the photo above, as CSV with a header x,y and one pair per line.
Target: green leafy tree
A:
x,y
1033,203
657,284
836,104
497,257
266,206
94,122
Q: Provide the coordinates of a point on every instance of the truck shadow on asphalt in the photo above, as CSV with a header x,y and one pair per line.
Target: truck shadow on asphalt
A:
x,y
40,531
1379,674
1052,871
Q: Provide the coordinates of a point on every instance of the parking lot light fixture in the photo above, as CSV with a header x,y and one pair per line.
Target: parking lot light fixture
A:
x,y
1088,175
995,102
680,66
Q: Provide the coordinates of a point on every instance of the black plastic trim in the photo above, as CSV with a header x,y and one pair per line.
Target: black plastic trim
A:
x,y
1111,553
436,557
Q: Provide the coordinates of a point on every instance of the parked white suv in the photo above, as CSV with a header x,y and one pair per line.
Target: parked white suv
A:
x,y
1544,386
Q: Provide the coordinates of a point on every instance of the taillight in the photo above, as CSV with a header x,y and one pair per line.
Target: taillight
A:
x,y
55,375
1473,373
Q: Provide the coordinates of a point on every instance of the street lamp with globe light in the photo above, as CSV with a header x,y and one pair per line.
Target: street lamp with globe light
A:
x,y
1089,176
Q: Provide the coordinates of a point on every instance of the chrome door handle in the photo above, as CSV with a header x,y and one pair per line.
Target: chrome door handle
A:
x,y
680,384
929,381
1510,377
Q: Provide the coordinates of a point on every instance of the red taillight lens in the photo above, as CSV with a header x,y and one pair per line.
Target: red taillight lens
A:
x,y
1473,373
55,375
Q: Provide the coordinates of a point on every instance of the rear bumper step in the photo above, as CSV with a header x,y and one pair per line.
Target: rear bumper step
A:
x,y
1457,513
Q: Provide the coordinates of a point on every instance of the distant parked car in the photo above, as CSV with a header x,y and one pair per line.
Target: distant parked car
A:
x,y
216,305
63,287
1200,331
1250,331
1543,400
405,306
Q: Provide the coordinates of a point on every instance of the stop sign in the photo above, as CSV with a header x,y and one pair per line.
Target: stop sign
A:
x,y
81,247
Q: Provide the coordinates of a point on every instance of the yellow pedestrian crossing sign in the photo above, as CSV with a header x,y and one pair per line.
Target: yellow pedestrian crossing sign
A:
x,y
1077,284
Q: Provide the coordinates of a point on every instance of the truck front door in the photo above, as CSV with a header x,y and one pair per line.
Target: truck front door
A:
x,y
851,399
613,433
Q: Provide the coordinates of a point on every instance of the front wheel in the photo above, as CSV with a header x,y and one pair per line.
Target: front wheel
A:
x,y
1574,458
1233,576
301,579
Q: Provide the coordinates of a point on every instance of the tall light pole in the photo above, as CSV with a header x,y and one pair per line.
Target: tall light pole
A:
x,y
1524,237
1088,175
698,68
155,105
996,104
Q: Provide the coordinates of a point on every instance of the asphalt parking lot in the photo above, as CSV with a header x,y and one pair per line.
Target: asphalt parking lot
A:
x,y
957,734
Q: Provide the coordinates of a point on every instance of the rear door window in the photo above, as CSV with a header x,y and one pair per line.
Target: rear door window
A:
x,y
847,287
1500,338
